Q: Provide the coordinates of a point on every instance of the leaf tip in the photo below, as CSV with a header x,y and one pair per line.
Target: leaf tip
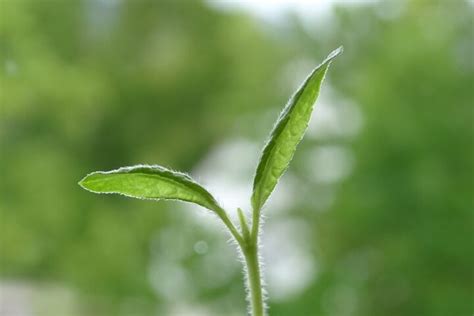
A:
x,y
84,183
81,182
338,51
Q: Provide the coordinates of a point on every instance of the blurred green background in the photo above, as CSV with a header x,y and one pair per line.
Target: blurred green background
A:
x,y
374,217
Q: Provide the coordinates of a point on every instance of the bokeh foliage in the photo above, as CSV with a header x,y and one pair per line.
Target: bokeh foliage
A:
x,y
94,85
398,240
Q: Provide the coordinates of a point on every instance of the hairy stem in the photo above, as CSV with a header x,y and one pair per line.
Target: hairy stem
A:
x,y
228,223
248,243
252,260
254,279
255,226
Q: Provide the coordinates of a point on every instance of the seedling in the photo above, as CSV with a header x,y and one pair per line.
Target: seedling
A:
x,y
159,183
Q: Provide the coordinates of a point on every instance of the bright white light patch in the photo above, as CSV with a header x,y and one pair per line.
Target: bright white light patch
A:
x,y
290,265
275,10
330,164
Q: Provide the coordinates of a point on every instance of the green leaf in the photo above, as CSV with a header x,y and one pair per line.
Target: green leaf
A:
x,y
152,183
287,133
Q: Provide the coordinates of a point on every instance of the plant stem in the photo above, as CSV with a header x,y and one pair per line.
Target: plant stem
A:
x,y
228,223
248,242
252,260
254,279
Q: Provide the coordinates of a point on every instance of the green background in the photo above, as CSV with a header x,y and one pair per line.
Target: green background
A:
x,y
374,217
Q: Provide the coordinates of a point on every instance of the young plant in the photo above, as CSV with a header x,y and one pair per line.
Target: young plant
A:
x,y
159,183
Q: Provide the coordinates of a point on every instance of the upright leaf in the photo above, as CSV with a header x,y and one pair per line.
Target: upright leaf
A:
x,y
287,133
150,182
